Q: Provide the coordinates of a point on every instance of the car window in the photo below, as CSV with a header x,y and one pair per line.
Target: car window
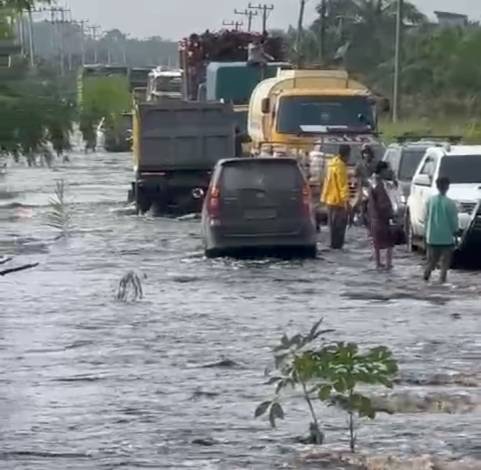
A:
x,y
261,175
392,158
409,163
461,169
429,166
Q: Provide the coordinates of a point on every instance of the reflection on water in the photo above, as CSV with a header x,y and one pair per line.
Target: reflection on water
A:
x,y
171,381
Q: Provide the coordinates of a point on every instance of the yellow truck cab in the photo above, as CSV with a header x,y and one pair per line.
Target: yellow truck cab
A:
x,y
292,109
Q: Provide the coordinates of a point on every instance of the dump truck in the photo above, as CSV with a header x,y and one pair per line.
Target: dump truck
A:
x,y
176,146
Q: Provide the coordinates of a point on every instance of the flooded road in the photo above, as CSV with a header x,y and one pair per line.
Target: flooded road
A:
x,y
172,381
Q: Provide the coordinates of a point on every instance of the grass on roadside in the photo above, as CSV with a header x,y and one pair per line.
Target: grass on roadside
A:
x,y
470,130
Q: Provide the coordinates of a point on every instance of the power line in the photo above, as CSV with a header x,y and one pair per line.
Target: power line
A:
x,y
93,32
250,15
59,19
237,24
265,8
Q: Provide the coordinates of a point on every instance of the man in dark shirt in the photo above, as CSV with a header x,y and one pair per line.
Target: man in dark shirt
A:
x,y
367,166
363,173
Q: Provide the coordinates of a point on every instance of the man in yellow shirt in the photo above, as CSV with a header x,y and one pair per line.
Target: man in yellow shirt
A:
x,y
335,195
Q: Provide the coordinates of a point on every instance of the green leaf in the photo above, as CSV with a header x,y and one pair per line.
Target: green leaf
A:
x,y
262,408
340,385
276,412
273,380
314,328
325,392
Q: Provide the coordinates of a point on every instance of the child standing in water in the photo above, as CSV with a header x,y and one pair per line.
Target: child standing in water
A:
x,y
442,225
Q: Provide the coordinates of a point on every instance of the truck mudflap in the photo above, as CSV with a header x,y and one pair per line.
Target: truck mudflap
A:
x,y
470,240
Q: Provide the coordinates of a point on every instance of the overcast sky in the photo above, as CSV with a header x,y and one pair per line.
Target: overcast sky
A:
x,y
175,18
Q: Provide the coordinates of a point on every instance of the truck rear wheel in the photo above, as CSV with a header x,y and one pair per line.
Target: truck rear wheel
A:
x,y
143,201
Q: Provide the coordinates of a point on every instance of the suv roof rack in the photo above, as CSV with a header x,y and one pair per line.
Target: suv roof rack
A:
x,y
413,137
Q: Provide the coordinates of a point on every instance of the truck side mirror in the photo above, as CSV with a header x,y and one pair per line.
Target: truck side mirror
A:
x,y
385,105
265,105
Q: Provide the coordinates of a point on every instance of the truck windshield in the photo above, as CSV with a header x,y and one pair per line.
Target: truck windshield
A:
x,y
462,169
297,111
409,163
168,85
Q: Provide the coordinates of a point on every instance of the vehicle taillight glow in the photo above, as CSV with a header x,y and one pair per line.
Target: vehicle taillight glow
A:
x,y
213,203
307,200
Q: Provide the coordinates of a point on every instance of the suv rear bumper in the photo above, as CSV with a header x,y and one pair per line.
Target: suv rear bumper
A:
x,y
217,238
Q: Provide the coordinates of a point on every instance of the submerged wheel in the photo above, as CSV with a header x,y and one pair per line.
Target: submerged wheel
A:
x,y
310,251
409,235
142,202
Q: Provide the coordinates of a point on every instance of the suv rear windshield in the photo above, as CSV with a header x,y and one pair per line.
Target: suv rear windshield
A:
x,y
261,175
461,169
409,163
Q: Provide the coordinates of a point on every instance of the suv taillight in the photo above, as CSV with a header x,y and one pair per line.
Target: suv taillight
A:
x,y
307,200
213,203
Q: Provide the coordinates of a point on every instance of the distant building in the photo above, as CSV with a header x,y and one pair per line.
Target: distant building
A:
x,y
451,20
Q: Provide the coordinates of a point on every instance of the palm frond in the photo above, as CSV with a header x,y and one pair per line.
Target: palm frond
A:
x,y
59,217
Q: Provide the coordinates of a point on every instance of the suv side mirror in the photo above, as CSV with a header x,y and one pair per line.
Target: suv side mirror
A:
x,y
423,180
265,105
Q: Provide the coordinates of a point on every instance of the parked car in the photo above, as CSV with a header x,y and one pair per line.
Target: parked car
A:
x,y
404,157
462,165
258,205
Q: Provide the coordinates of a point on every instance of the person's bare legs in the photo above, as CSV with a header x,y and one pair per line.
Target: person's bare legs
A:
x,y
445,263
389,252
433,256
377,257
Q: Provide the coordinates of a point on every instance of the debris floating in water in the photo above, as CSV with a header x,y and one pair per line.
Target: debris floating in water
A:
x,y
130,287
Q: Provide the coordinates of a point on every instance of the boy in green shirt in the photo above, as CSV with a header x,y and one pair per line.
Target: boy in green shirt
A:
x,y
442,225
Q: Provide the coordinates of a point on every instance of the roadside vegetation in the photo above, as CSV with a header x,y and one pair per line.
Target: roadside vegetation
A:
x,y
441,73
334,374
38,110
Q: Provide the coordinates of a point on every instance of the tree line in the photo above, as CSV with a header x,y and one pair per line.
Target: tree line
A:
x,y
440,72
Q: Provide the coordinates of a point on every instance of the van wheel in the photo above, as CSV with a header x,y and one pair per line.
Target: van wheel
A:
x,y
409,234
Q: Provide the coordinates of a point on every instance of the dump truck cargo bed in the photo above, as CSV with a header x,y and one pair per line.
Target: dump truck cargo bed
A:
x,y
180,135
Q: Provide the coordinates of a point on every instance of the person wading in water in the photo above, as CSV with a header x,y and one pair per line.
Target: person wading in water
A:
x,y
442,225
381,214
335,195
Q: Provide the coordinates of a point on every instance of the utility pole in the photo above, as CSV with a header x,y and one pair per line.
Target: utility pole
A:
x,y
237,24
323,17
94,34
265,8
59,20
250,15
30,39
397,60
300,24
81,25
